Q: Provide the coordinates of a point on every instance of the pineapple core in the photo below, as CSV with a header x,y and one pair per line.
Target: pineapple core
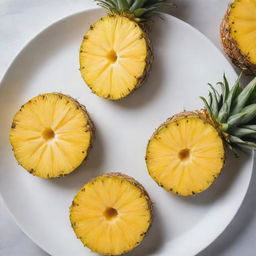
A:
x,y
113,57
242,22
51,135
185,156
111,214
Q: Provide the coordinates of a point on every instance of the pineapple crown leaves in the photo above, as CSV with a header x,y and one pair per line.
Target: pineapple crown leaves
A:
x,y
140,9
234,112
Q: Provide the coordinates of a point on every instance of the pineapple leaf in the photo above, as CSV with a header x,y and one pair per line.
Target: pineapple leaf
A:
x,y
226,88
225,109
252,136
109,3
217,95
161,4
242,132
245,116
251,127
215,103
123,5
244,96
206,105
242,143
148,15
235,114
137,4
141,9
224,127
210,99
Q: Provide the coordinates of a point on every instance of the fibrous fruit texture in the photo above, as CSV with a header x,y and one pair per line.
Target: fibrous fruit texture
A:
x,y
114,57
116,54
51,135
186,153
111,214
238,34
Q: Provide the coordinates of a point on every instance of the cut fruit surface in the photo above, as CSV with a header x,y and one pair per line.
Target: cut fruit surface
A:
x,y
51,135
185,155
238,34
111,214
114,57
242,21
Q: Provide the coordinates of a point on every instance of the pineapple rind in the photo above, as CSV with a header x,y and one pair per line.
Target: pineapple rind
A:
x,y
89,129
187,190
139,78
123,178
231,48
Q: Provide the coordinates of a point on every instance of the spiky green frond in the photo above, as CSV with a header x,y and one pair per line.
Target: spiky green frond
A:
x,y
234,112
140,9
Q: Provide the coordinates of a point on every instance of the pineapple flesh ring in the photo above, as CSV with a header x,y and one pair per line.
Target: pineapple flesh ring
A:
x,y
185,156
51,135
242,22
114,57
111,214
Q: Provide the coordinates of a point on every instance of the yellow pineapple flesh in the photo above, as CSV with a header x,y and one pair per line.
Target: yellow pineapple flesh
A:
x,y
115,57
242,21
185,154
51,135
237,32
111,214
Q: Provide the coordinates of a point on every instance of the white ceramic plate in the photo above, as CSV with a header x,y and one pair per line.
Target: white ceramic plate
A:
x,y
184,62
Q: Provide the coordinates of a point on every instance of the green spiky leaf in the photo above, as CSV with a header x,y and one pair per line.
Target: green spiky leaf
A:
x,y
243,98
243,132
226,107
242,143
243,117
233,109
140,9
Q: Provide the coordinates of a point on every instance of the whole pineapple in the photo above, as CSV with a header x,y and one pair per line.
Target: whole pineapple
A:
x,y
116,54
111,214
238,34
187,152
51,135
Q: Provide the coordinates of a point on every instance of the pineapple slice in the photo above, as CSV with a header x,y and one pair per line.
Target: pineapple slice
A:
x,y
115,57
238,34
185,154
51,135
111,214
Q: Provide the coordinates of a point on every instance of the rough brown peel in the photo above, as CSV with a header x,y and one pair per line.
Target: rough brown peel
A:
x,y
231,47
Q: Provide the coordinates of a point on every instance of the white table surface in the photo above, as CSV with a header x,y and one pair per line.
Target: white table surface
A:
x,y
20,20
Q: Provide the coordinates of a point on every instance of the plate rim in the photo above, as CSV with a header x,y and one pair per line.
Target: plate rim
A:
x,y
199,33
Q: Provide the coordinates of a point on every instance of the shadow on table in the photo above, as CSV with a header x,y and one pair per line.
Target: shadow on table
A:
x,y
243,219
